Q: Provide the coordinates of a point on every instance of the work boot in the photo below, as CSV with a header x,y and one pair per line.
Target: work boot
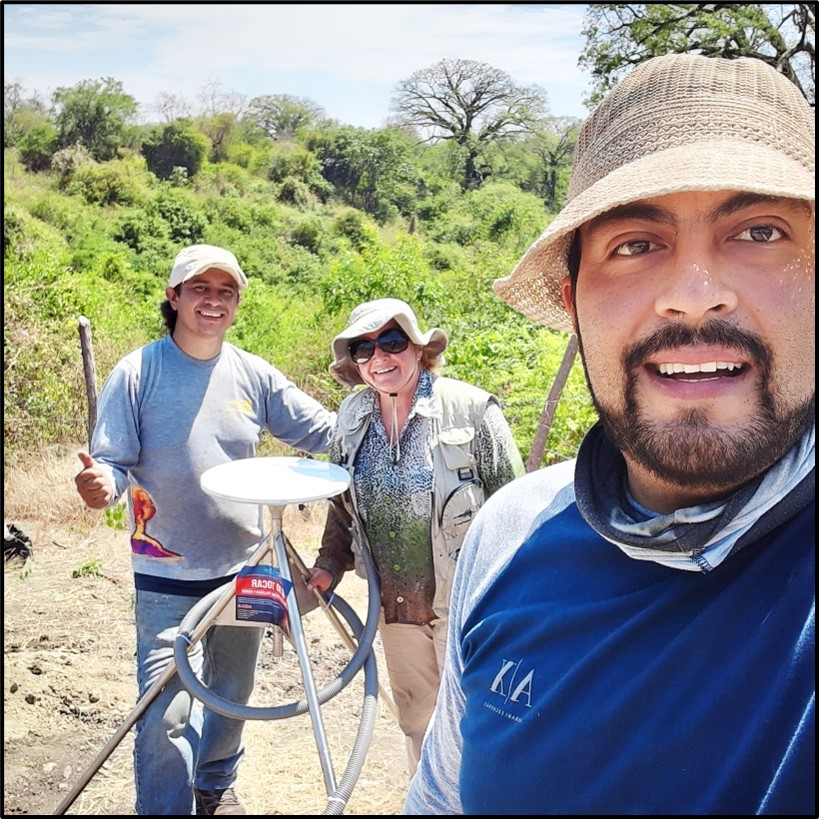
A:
x,y
221,802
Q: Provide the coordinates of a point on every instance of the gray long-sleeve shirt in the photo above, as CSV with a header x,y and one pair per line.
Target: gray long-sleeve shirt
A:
x,y
163,419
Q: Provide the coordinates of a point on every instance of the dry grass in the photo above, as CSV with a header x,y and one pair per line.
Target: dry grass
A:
x,y
69,677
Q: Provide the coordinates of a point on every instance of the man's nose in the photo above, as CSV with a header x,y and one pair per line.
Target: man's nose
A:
x,y
695,287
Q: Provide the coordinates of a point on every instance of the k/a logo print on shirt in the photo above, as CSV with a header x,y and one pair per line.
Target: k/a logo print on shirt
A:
x,y
512,686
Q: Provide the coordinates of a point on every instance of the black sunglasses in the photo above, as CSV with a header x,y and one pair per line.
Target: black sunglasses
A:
x,y
390,341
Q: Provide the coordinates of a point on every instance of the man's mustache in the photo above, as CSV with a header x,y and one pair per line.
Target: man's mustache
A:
x,y
716,332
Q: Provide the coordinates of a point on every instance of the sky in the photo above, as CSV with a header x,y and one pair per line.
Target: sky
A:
x,y
346,57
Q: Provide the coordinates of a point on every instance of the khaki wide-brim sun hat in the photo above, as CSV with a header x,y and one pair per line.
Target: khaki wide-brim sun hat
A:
x,y
676,123
372,316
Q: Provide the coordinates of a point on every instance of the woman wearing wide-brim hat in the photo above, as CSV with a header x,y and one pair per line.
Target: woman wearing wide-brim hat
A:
x,y
424,452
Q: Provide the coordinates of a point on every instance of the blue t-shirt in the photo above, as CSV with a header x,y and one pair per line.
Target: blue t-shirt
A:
x,y
581,686
580,680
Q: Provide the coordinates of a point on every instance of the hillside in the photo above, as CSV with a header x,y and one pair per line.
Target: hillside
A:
x,y
97,240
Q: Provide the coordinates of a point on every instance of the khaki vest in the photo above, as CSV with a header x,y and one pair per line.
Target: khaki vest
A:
x,y
458,491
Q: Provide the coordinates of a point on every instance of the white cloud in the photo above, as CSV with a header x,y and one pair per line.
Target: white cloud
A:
x,y
347,57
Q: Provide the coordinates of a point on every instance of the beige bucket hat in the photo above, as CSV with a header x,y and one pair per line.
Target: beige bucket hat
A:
x,y
372,316
676,123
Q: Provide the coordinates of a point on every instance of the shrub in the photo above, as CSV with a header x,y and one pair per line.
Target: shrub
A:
x,y
176,145
58,211
24,233
37,147
498,212
179,211
448,256
309,233
179,177
357,227
140,229
108,184
291,160
399,270
223,179
231,211
66,162
294,192
502,211
13,231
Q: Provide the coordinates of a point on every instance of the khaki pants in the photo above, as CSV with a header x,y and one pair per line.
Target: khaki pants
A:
x,y
415,657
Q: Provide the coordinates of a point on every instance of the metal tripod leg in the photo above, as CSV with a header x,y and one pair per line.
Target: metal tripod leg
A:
x,y
274,539
335,620
151,694
297,636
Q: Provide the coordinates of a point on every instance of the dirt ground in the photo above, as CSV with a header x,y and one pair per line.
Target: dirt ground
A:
x,y
69,681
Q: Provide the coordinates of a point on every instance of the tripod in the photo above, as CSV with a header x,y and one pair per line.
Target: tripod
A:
x,y
272,484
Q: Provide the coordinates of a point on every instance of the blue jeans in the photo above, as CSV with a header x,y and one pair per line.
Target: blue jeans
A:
x,y
179,746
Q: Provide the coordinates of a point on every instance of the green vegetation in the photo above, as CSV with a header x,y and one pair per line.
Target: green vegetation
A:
x,y
115,517
621,35
91,568
321,217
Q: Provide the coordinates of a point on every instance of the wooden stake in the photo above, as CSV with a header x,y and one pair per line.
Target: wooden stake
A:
x,y
546,417
90,374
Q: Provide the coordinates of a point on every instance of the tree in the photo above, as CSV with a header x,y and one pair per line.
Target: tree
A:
x,y
177,145
622,35
282,116
223,131
37,146
215,99
553,143
470,103
94,114
171,107
21,113
370,170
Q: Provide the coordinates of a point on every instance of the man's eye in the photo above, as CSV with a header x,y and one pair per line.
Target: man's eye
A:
x,y
634,248
760,233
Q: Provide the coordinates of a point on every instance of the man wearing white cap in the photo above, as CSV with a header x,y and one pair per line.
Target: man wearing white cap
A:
x,y
635,634
168,412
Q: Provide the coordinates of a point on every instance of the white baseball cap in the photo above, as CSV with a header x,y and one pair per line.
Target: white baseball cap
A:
x,y
196,259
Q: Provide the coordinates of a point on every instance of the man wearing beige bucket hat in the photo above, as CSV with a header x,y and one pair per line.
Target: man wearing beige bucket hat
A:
x,y
635,634
424,452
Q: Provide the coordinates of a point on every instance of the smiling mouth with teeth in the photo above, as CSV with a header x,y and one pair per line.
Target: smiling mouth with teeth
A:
x,y
675,368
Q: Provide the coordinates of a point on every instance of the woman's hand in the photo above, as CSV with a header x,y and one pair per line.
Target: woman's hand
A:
x,y
319,579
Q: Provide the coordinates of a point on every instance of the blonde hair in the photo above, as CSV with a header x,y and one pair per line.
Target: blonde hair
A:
x,y
432,361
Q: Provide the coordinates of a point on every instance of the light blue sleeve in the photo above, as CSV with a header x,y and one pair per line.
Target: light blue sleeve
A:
x,y
296,418
434,789
115,442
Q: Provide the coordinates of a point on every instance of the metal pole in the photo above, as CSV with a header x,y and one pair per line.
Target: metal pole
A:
x,y
335,620
90,374
297,636
150,695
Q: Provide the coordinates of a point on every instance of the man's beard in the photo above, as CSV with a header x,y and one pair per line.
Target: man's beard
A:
x,y
692,450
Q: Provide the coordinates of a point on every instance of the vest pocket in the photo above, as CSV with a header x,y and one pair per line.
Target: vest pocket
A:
x,y
465,490
459,509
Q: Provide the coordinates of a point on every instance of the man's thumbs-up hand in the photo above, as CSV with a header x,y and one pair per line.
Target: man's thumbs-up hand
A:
x,y
92,483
